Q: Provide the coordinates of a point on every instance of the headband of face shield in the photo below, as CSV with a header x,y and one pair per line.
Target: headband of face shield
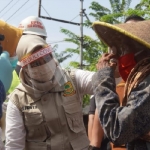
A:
x,y
42,66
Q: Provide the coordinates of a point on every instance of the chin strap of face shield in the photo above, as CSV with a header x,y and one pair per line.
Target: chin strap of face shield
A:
x,y
1,39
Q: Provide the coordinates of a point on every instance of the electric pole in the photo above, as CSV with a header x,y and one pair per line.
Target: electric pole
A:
x,y
82,12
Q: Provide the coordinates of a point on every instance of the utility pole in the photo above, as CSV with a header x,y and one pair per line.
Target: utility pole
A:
x,y
39,11
81,38
82,12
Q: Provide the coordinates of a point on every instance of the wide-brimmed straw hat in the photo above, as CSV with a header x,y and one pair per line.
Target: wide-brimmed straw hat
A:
x,y
136,35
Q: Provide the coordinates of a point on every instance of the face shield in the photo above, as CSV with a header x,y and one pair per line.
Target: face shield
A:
x,y
41,67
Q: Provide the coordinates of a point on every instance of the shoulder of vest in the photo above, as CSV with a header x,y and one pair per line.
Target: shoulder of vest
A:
x,y
15,98
71,73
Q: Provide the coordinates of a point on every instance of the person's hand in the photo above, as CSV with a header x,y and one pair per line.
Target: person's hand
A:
x,y
107,60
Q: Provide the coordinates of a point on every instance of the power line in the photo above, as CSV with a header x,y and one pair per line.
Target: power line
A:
x,y
9,9
17,10
6,5
26,9
87,44
46,11
56,42
74,18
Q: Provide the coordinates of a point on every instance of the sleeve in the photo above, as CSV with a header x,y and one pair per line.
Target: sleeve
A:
x,y
15,130
121,124
1,142
92,105
84,81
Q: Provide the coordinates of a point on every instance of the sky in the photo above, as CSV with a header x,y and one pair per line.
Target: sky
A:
x,y
14,11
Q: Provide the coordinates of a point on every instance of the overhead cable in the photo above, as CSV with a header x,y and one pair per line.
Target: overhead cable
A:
x,y
6,5
56,42
17,10
46,11
31,6
10,8
74,18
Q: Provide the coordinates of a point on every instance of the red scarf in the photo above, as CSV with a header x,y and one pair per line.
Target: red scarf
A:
x,y
126,64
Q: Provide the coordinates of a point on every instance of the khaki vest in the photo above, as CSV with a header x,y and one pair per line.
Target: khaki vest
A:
x,y
53,122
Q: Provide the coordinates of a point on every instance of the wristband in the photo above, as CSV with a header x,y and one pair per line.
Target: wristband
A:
x,y
93,148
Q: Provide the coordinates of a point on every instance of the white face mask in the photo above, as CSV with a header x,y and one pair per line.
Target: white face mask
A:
x,y
42,73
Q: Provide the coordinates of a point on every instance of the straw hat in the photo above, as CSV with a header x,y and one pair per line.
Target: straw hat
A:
x,y
136,35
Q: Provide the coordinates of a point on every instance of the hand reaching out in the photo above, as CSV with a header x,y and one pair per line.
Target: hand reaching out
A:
x,y
107,60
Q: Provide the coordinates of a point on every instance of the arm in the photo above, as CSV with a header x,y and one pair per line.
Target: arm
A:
x,y
90,126
15,130
121,124
84,81
1,141
92,109
97,132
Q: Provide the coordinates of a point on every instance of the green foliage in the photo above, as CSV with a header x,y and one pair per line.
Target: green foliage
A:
x,y
143,9
85,100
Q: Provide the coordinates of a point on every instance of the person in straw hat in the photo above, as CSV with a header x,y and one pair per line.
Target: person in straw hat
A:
x,y
96,134
128,124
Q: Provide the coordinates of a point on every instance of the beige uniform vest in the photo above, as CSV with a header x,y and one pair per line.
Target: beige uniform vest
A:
x,y
53,122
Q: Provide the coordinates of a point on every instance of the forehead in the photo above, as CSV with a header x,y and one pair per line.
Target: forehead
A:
x,y
132,21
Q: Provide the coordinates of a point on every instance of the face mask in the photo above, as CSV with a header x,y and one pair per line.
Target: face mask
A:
x,y
13,61
126,64
42,73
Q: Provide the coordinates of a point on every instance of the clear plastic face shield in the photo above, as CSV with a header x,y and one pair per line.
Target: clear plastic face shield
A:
x,y
41,67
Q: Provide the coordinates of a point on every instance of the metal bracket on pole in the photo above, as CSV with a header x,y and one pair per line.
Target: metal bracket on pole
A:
x,y
50,18
59,20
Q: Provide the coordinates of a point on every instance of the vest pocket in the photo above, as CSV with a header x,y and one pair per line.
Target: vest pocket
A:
x,y
33,118
35,127
74,117
80,143
35,146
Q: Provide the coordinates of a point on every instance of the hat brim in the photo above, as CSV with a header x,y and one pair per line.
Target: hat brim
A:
x,y
112,35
